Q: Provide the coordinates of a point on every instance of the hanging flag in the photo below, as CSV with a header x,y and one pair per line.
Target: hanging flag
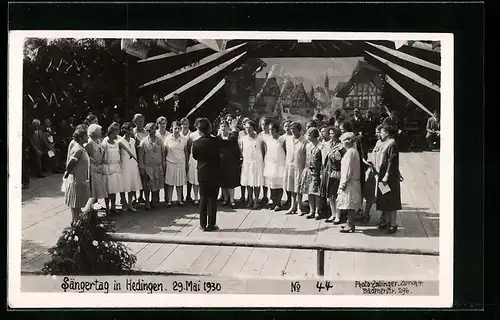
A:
x,y
137,49
174,45
217,45
399,43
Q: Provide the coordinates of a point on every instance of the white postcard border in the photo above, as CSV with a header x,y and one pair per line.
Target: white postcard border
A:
x,y
18,299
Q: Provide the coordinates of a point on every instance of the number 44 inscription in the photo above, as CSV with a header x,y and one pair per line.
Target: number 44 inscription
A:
x,y
324,285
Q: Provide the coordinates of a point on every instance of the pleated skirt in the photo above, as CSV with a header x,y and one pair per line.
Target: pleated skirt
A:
x,y
291,181
77,193
175,174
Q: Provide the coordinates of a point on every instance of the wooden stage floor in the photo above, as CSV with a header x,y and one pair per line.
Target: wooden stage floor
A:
x,y
44,216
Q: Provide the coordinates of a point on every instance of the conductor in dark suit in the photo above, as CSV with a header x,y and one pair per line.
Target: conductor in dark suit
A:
x,y
206,150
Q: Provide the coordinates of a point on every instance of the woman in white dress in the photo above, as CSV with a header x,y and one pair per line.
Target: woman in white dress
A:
x,y
252,170
295,148
95,151
112,167
274,165
186,133
265,134
131,177
349,193
192,168
162,131
287,133
139,134
176,163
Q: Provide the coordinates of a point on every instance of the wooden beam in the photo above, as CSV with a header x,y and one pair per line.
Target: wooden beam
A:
x,y
396,86
222,242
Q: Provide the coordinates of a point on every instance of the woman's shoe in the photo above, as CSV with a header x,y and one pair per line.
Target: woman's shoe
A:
x,y
132,209
336,221
348,230
224,203
329,220
382,225
255,206
365,219
233,205
249,204
392,229
276,208
291,211
169,204
317,216
180,203
310,216
196,202
300,212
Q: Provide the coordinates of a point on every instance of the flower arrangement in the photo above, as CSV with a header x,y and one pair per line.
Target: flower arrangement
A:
x,y
85,248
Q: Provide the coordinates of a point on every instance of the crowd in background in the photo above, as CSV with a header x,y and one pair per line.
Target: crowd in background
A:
x,y
325,159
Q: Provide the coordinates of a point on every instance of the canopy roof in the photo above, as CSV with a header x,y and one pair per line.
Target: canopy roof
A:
x,y
195,70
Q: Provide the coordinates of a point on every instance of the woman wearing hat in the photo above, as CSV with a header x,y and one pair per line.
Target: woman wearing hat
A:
x,y
349,192
386,158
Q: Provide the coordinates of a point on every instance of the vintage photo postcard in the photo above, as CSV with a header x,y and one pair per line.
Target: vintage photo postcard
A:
x,y
230,169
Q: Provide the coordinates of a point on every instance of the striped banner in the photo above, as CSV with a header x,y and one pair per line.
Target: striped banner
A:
x,y
211,93
204,76
200,63
407,57
407,73
396,86
171,54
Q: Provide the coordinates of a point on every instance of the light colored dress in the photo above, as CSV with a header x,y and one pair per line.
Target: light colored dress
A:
x,y
193,164
162,136
112,167
252,170
151,159
274,164
140,135
70,146
350,198
77,191
98,186
185,136
131,178
295,162
175,149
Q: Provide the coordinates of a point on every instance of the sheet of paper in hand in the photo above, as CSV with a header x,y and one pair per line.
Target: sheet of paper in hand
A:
x,y
51,139
51,153
383,188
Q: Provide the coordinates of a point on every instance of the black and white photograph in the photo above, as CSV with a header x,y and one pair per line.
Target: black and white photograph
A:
x,y
225,169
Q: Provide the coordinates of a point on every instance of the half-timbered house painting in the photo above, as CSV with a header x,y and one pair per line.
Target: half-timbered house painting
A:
x,y
363,90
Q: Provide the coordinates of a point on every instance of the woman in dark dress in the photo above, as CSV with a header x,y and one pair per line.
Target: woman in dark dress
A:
x,y
230,160
387,165
330,178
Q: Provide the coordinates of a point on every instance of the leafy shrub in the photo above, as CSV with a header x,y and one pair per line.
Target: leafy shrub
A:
x,y
85,248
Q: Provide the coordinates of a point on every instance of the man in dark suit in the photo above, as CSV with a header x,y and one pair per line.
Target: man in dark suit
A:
x,y
206,150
